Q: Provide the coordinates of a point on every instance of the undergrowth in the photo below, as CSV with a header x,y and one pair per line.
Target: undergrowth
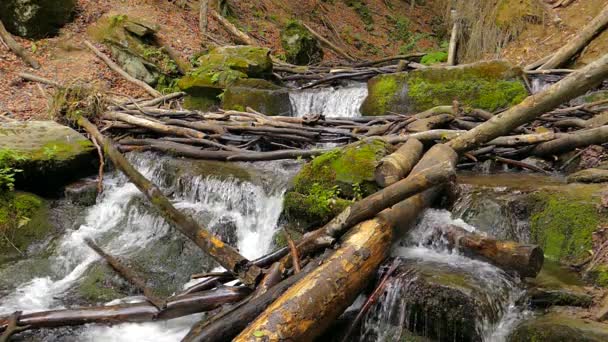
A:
x,y
69,104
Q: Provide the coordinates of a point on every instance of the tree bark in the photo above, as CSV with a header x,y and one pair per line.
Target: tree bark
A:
x,y
526,260
453,46
225,255
574,45
573,85
593,136
397,165
16,48
202,16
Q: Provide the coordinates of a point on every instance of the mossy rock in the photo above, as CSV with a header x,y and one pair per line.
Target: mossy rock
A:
x,y
301,47
132,43
328,184
23,221
261,95
100,284
36,18
559,327
220,68
487,85
48,154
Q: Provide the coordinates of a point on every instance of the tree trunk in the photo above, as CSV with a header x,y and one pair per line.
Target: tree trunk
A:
x,y
225,255
526,260
202,16
453,47
397,165
573,85
574,45
593,136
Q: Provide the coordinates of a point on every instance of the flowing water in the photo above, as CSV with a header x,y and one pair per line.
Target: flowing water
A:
x,y
330,102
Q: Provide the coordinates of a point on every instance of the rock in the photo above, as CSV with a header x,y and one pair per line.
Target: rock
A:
x,y
99,285
48,154
220,68
36,18
301,47
489,85
133,45
591,175
559,327
538,162
557,285
82,192
258,94
23,220
329,183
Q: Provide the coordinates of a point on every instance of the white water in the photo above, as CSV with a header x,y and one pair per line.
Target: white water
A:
x,y
120,226
330,102
499,289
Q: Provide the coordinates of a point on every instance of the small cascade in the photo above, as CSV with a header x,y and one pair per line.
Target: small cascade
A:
x,y
330,102
391,317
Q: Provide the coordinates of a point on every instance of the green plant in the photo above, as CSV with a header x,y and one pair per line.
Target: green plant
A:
x,y
434,57
9,158
411,44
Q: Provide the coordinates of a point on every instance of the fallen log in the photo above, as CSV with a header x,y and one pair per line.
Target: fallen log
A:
x,y
574,45
397,165
526,260
233,30
225,255
568,142
571,86
329,44
136,312
16,48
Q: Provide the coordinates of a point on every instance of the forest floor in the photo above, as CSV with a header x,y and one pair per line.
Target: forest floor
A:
x,y
367,33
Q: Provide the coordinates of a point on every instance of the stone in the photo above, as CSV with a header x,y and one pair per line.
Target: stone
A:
x,y
489,85
330,182
48,154
558,327
260,95
592,175
36,18
556,285
220,68
301,47
82,192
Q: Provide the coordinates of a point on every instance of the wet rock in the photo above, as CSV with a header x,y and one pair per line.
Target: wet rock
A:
x,y
36,18
592,175
99,285
133,44
559,327
48,154
301,47
225,227
487,85
220,68
538,162
23,220
329,183
260,95
556,285
82,192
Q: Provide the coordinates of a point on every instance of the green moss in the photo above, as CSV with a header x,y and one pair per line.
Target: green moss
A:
x,y
382,91
301,47
434,58
562,224
97,285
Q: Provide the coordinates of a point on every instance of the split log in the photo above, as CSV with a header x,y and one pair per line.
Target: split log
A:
x,y
573,85
136,312
574,45
397,165
526,260
225,255
16,48
121,72
568,142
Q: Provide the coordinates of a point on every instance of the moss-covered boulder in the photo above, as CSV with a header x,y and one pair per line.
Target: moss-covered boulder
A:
x,y
220,68
100,284
559,327
556,285
328,184
487,85
591,175
36,18
261,95
23,220
44,155
301,47
135,48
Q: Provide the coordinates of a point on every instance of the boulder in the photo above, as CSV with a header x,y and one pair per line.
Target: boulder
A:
x,y
559,327
592,175
328,184
82,192
48,154
557,286
220,68
261,95
301,47
489,85
36,18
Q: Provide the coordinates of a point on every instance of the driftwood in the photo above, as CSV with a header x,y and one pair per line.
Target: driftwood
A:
x,y
397,165
571,141
16,48
225,255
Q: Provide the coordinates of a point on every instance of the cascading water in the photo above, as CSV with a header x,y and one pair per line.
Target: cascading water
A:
x,y
331,102
391,316
123,224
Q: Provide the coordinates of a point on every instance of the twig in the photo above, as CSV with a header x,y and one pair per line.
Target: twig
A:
x,y
101,165
295,257
34,78
521,164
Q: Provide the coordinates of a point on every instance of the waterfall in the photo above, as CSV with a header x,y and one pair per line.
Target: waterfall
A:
x,y
391,315
331,102
122,222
